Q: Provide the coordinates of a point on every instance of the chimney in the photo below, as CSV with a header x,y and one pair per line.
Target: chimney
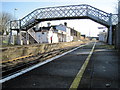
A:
x,y
48,24
65,23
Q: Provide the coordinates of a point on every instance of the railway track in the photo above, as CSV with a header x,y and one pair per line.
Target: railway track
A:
x,y
11,67
79,68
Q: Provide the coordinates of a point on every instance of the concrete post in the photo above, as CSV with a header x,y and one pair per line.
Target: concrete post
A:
x,y
27,37
110,30
18,38
13,39
21,40
9,40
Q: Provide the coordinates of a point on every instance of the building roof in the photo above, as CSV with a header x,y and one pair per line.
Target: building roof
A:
x,y
45,28
52,26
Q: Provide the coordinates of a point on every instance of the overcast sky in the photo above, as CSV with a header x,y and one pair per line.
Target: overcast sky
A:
x,y
87,27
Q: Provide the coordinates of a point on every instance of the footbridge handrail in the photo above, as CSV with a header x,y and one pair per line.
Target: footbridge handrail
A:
x,y
64,12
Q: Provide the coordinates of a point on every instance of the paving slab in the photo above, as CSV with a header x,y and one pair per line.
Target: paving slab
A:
x,y
102,70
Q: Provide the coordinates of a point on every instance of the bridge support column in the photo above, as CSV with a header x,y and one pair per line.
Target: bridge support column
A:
x,y
9,40
18,37
27,37
110,31
21,38
118,29
110,36
118,37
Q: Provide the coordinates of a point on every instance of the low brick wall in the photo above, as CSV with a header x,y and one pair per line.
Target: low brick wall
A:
x,y
18,51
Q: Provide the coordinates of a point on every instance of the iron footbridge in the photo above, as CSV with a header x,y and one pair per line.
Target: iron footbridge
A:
x,y
64,12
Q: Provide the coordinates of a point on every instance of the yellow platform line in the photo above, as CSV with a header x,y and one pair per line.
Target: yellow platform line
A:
x,y
17,58
78,77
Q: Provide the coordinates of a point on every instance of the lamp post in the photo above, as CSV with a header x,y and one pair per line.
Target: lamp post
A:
x,y
15,9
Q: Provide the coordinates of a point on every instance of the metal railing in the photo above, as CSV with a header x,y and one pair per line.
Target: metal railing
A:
x,y
64,12
33,34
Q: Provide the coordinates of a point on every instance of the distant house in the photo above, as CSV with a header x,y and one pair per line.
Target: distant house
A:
x,y
103,36
69,36
95,38
54,34
72,34
51,34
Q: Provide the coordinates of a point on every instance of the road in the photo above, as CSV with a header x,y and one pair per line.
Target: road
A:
x,y
101,71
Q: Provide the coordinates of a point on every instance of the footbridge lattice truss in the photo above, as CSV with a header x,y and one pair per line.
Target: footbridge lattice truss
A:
x,y
64,12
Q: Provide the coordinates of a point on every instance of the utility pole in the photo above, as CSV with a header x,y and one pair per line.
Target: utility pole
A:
x,y
15,9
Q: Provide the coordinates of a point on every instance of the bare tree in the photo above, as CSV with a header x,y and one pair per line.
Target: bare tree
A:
x,y
5,18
